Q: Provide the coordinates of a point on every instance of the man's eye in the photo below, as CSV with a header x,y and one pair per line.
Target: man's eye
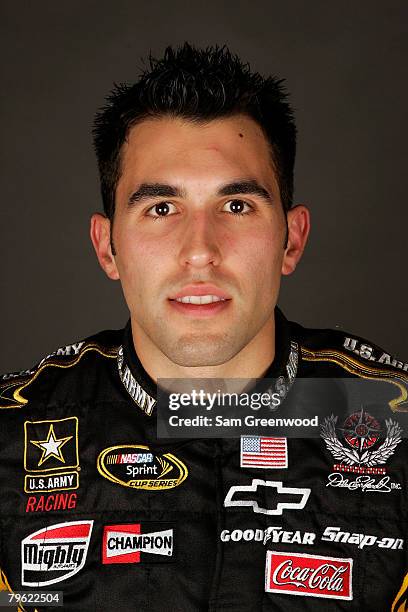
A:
x,y
162,209
236,207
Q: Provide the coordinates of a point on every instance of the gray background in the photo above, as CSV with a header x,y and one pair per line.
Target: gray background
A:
x,y
345,65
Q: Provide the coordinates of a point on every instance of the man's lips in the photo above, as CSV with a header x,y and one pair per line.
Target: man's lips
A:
x,y
200,300
198,291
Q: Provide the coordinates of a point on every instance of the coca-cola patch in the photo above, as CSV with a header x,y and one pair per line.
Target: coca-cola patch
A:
x,y
308,575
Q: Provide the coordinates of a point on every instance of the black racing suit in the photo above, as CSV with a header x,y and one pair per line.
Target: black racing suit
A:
x,y
95,505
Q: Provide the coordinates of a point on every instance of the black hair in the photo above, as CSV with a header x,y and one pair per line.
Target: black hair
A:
x,y
197,85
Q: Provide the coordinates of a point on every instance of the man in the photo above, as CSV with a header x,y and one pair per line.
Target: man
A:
x,y
196,163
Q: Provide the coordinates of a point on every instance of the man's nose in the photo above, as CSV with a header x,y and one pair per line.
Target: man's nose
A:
x,y
199,247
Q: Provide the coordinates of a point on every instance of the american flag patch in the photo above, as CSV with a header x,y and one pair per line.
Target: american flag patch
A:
x,y
263,452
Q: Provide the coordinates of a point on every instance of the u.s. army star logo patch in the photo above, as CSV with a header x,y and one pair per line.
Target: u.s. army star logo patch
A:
x,y
51,460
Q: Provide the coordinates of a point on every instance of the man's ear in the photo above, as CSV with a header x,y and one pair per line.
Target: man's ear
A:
x,y
298,232
100,232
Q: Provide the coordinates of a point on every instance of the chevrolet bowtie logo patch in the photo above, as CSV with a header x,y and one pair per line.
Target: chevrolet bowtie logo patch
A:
x,y
296,498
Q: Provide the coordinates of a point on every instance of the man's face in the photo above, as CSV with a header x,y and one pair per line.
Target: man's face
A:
x,y
198,219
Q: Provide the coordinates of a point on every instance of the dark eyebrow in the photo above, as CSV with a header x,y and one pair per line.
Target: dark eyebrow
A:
x,y
154,190
162,190
247,186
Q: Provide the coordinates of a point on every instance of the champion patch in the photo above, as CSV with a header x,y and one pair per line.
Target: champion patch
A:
x,y
54,553
138,543
308,575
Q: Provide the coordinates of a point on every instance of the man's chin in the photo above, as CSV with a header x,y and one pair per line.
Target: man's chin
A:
x,y
196,351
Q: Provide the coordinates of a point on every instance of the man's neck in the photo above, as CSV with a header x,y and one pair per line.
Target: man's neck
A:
x,y
251,362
